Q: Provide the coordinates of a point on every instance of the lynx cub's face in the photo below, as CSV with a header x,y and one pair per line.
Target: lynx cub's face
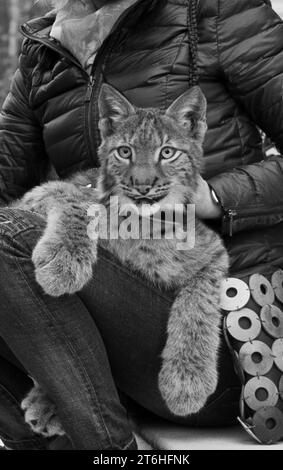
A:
x,y
150,156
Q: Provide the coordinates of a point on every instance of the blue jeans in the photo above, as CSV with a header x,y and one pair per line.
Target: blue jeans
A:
x,y
83,348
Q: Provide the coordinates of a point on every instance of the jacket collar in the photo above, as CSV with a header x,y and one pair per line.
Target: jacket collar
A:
x,y
41,27
81,29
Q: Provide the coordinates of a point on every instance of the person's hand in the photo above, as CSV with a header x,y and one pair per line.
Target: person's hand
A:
x,y
206,207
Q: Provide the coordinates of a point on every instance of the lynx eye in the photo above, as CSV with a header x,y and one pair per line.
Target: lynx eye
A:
x,y
167,153
124,152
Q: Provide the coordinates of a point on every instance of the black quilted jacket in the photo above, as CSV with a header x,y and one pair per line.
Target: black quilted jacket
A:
x,y
50,114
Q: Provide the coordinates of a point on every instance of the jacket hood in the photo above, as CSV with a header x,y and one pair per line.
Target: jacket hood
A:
x,y
61,3
58,4
82,29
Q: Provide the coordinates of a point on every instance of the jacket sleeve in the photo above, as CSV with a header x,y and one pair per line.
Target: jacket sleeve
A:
x,y
250,40
22,155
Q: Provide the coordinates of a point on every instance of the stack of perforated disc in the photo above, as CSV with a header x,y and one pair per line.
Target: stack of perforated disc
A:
x,y
253,327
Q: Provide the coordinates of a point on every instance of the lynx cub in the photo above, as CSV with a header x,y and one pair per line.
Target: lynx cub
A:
x,y
146,155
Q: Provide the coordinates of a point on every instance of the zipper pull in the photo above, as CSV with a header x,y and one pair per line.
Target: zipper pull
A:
x,y
89,90
231,214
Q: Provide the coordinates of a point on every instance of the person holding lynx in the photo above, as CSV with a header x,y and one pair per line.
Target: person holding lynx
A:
x,y
115,97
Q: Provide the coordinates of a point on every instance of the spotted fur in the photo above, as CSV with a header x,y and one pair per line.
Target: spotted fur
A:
x,y
137,168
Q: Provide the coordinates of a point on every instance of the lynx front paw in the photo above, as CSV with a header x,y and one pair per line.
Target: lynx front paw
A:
x,y
184,392
59,271
40,413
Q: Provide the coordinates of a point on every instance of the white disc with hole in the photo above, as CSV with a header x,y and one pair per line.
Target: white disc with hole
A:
x,y
277,351
260,392
261,290
281,387
277,284
268,424
243,324
256,358
234,294
272,320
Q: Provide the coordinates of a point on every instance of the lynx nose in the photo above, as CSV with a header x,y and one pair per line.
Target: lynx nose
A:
x,y
144,190
144,185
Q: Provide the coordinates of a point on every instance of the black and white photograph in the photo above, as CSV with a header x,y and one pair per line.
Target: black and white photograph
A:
x,y
141,230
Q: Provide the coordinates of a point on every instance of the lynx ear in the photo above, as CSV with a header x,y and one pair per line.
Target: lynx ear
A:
x,y
113,107
190,110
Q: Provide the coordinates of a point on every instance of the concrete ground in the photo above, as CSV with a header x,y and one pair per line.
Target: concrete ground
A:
x,y
159,435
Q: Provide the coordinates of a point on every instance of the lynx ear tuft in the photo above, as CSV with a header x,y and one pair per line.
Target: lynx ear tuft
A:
x,y
190,110
113,107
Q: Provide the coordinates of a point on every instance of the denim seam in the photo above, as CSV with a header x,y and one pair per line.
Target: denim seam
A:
x,y
25,444
86,381
23,230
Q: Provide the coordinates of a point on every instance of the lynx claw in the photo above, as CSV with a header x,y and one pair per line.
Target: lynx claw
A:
x,y
58,271
40,413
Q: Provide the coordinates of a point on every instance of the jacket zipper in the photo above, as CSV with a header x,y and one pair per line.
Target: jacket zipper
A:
x,y
93,87
232,214
88,111
89,90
